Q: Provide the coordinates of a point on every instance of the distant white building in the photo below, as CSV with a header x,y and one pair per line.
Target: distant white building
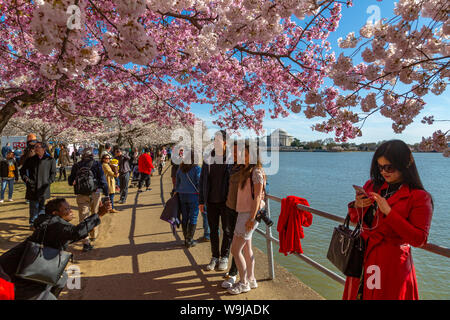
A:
x,y
281,138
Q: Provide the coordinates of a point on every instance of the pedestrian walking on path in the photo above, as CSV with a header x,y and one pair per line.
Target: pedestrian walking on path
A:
x,y
110,179
29,150
249,201
187,186
231,276
64,161
9,173
145,166
88,180
213,193
38,172
124,173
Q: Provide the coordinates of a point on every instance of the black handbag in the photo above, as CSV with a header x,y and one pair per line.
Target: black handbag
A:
x,y
43,264
346,250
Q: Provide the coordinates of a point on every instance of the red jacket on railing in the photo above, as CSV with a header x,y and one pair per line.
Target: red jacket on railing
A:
x,y
290,224
145,164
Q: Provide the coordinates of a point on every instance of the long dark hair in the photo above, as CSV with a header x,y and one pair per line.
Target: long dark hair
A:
x,y
246,172
400,156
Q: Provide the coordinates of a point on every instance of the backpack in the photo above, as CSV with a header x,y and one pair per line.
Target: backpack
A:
x,y
85,182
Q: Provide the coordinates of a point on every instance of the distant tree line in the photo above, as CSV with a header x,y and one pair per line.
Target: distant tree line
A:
x,y
330,145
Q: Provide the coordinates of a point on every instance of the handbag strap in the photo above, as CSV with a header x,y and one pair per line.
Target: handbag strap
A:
x,y
45,231
358,227
187,174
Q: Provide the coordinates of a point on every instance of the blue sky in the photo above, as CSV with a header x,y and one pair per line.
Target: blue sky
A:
x,y
377,127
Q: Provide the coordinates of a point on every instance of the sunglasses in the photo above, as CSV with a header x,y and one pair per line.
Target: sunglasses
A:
x,y
389,168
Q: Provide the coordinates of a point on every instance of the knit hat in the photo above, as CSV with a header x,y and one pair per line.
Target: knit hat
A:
x,y
31,137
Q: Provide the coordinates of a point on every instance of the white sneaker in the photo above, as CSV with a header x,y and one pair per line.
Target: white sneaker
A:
x,y
239,288
223,264
253,284
1,201
10,200
228,283
212,264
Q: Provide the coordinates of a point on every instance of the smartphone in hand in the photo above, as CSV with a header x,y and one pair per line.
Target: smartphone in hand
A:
x,y
360,190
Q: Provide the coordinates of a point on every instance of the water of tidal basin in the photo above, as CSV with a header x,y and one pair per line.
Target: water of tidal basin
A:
x,y
325,180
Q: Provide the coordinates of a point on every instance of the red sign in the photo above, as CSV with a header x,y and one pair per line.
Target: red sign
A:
x,y
19,145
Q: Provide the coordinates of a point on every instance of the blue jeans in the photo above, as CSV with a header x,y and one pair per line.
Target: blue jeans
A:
x,y
189,208
36,209
111,198
10,183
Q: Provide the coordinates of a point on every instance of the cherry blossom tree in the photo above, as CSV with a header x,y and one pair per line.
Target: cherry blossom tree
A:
x,y
46,131
86,58
21,126
73,61
403,59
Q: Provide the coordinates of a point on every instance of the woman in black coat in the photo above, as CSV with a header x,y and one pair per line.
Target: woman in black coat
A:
x,y
59,234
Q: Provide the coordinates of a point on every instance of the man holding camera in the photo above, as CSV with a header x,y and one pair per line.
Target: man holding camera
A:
x,y
88,179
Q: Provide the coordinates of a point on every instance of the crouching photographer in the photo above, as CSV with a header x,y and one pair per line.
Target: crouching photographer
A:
x,y
53,231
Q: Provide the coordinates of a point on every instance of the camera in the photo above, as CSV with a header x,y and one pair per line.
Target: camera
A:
x,y
262,215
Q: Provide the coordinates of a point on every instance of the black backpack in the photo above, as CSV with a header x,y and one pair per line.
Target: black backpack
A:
x,y
85,182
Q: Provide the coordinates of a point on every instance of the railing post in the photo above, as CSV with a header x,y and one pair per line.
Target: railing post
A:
x,y
269,245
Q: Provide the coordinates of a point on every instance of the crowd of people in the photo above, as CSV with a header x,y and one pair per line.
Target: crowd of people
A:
x,y
394,209
227,193
37,167
394,212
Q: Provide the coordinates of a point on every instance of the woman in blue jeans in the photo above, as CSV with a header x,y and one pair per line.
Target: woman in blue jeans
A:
x,y
187,186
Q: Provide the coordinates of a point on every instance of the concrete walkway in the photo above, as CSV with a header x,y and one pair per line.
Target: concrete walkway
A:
x,y
138,257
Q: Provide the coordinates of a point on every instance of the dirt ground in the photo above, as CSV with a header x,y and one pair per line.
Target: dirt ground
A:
x,y
136,255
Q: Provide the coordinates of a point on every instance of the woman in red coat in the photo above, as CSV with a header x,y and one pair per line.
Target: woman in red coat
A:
x,y
396,212
145,167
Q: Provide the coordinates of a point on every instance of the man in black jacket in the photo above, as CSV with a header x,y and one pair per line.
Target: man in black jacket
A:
x,y
214,180
38,172
89,202
124,173
59,234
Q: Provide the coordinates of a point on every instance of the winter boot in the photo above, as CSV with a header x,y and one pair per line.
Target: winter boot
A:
x,y
185,230
190,235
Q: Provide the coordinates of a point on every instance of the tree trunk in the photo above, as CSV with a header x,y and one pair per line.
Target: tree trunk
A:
x,y
23,100
130,141
119,140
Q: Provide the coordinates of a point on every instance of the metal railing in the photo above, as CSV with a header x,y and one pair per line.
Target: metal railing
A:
x,y
443,251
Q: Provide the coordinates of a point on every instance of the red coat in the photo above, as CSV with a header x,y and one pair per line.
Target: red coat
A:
x,y
6,290
290,224
389,249
145,164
